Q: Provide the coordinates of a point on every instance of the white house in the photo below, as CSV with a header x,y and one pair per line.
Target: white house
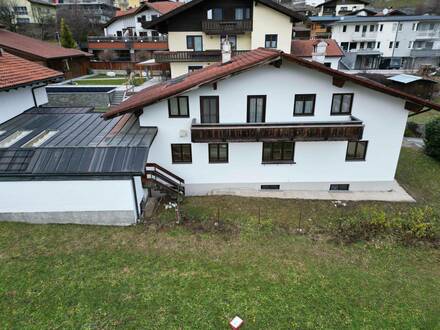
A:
x,y
339,7
325,51
129,22
22,84
388,41
270,120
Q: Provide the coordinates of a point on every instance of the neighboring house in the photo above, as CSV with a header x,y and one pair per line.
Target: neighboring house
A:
x,y
96,11
71,62
34,11
125,36
270,120
68,165
22,85
196,29
321,26
388,42
340,7
329,54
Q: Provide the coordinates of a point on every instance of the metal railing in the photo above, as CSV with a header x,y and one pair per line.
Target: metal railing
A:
x,y
128,39
191,56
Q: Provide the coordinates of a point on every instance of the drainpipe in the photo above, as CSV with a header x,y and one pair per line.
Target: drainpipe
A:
x,y
133,183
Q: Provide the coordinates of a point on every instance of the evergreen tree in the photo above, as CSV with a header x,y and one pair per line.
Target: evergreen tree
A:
x,y
66,37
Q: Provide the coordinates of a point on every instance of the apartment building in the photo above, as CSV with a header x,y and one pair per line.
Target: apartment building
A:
x,y
33,11
196,30
388,42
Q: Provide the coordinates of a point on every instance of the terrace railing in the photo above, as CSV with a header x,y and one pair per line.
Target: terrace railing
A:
x,y
191,56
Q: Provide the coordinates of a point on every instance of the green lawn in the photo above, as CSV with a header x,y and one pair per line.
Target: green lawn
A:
x,y
199,275
427,116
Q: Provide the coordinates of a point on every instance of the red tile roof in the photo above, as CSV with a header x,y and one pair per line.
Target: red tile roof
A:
x,y
16,71
34,47
164,7
248,60
305,48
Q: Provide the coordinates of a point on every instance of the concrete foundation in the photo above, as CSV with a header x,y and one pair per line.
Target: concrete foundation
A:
x,y
109,218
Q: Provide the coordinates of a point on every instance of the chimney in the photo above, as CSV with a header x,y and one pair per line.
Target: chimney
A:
x,y
226,51
319,52
1,51
385,11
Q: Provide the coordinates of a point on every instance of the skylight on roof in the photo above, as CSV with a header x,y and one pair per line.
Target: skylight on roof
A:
x,y
13,138
39,139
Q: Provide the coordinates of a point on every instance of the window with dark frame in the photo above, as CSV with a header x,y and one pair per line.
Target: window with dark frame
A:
x,y
192,68
356,150
270,187
209,109
341,104
344,28
271,41
218,152
232,39
256,108
242,13
181,153
357,28
178,106
339,187
215,14
194,42
304,105
278,152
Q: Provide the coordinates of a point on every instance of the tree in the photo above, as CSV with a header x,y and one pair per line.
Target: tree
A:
x,y
8,15
66,37
44,20
432,139
107,55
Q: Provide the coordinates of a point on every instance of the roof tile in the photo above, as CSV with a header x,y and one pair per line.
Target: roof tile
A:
x,y
35,47
16,71
305,48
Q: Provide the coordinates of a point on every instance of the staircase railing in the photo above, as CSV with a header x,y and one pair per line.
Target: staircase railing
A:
x,y
168,181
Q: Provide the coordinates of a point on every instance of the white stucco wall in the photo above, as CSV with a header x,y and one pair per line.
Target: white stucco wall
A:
x,y
317,163
180,68
130,21
15,101
268,21
71,200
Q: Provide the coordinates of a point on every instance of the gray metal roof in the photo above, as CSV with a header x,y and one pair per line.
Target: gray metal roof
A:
x,y
85,144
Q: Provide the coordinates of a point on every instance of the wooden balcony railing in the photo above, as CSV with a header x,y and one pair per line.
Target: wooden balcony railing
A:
x,y
191,56
225,27
253,132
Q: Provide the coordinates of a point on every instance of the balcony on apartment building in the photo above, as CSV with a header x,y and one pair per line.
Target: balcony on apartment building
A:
x,y
128,42
226,26
425,52
192,56
428,34
363,36
351,129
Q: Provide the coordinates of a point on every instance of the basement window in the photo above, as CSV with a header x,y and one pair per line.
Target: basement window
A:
x,y
339,187
13,138
270,187
39,139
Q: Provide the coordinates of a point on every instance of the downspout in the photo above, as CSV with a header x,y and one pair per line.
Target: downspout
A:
x,y
135,198
33,94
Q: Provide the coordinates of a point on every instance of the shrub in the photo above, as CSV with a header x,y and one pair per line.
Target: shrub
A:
x,y
417,224
432,139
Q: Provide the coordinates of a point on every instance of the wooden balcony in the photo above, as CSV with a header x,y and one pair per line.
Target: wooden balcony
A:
x,y
253,132
191,56
226,27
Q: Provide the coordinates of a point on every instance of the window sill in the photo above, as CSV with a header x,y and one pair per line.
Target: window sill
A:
x,y
279,163
178,116
355,160
182,162
340,114
218,162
